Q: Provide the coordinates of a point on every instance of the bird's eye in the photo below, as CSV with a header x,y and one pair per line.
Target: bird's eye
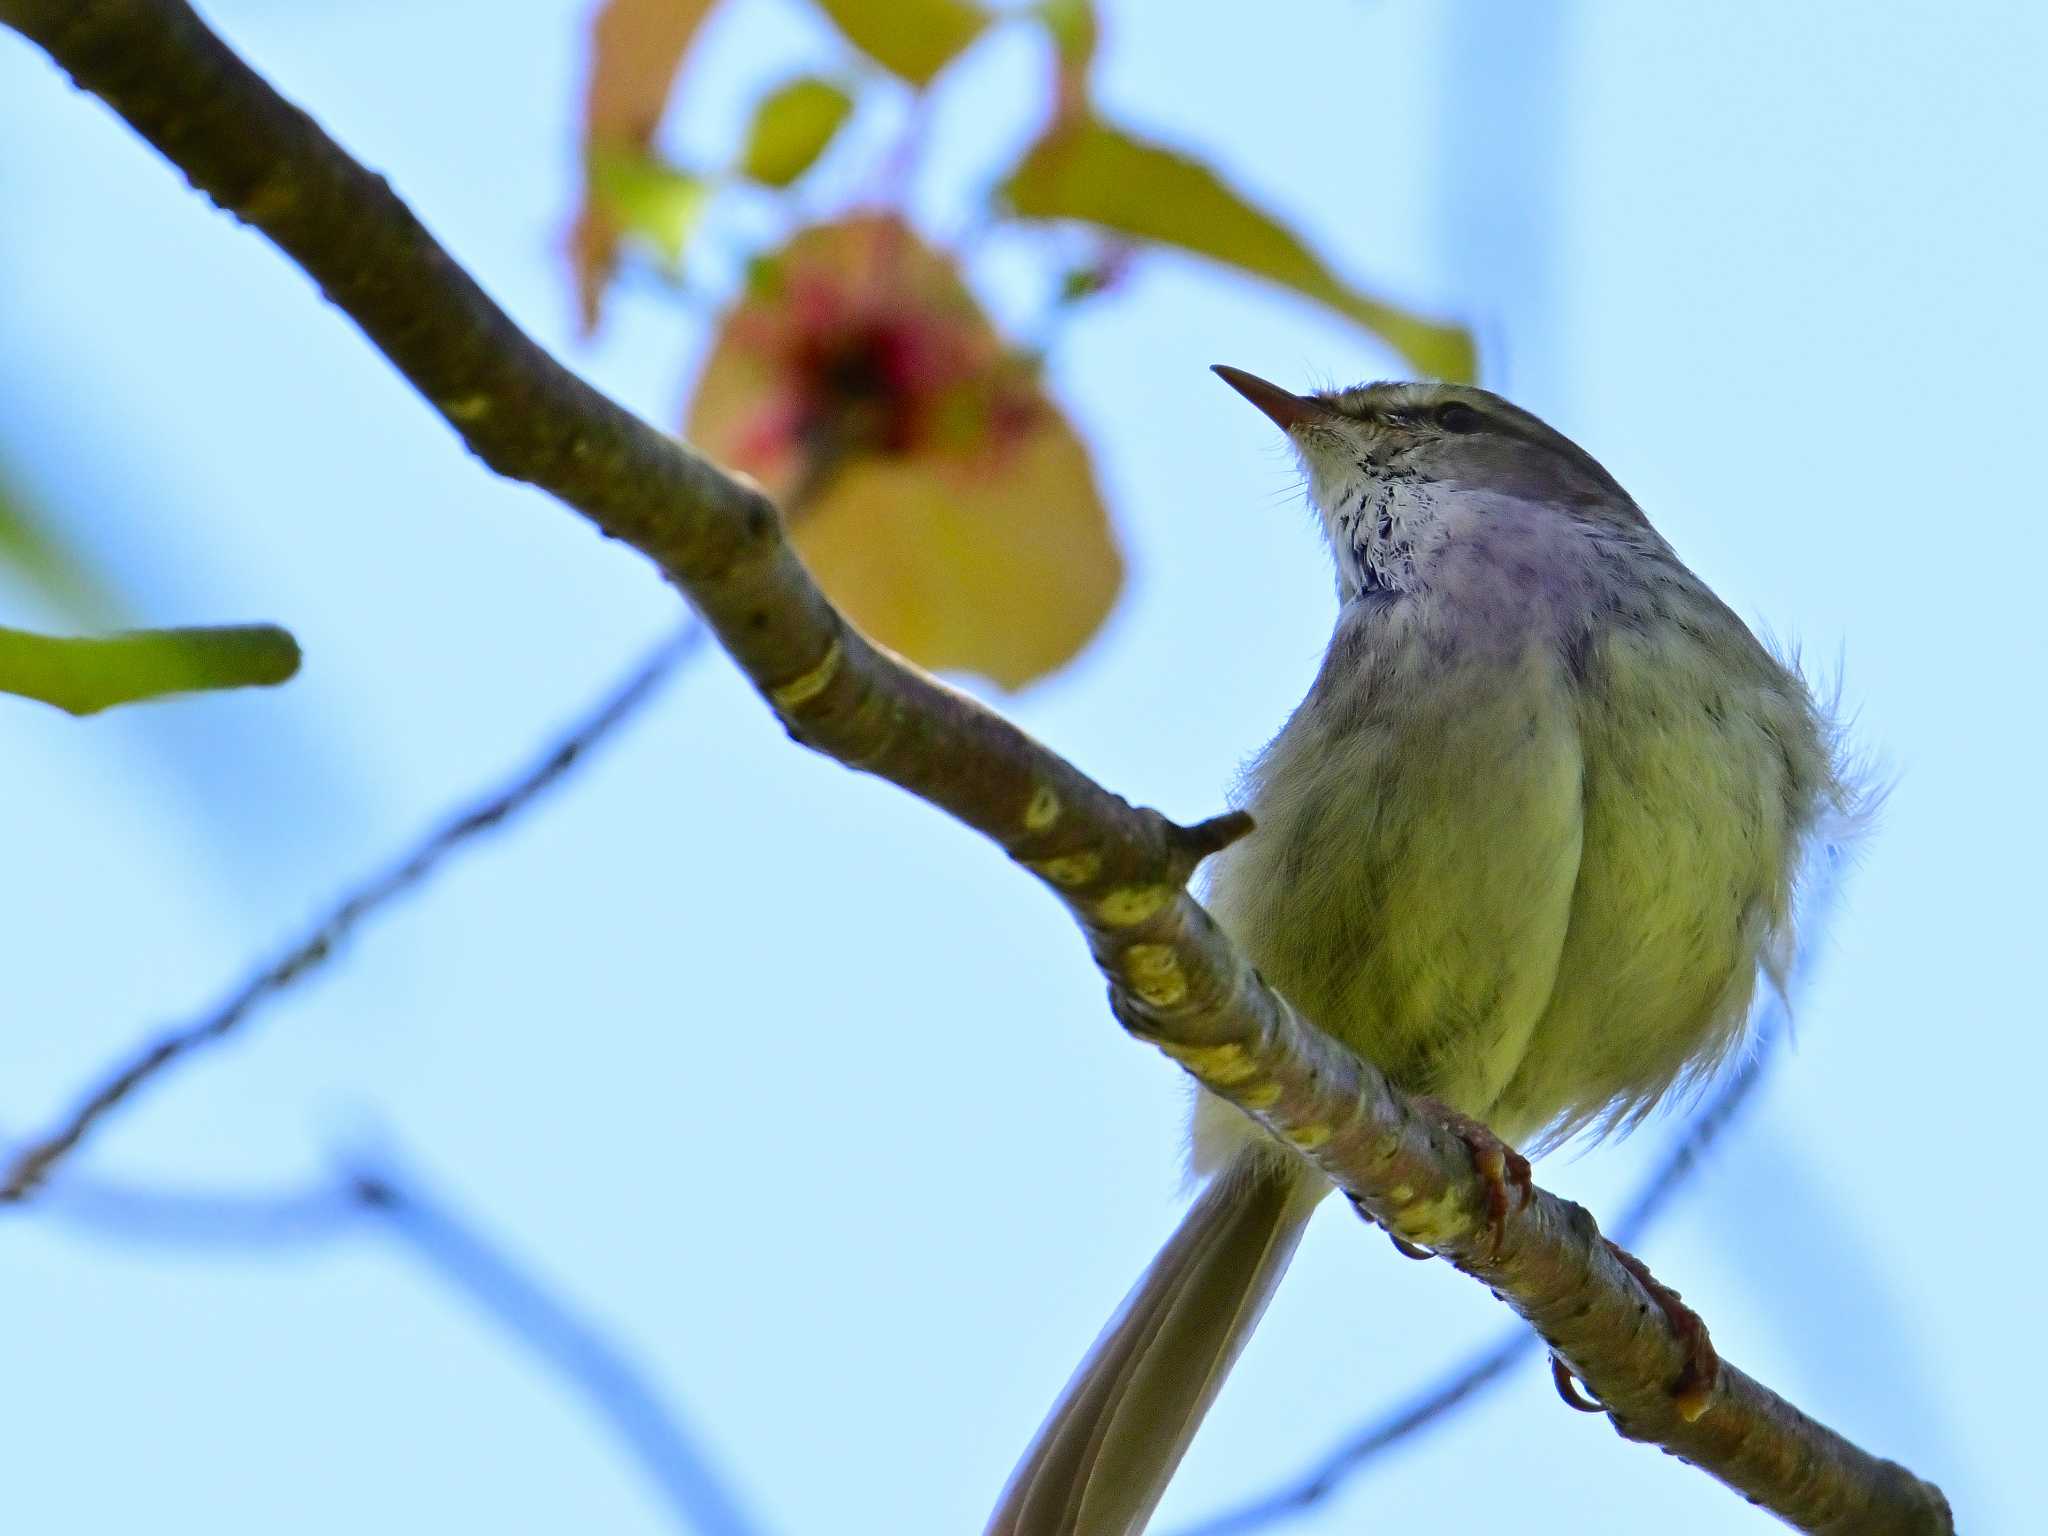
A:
x,y
1457,416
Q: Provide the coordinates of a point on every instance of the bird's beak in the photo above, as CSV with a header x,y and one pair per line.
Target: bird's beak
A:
x,y
1287,411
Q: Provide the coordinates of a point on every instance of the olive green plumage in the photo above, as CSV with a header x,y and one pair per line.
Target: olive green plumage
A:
x,y
1527,845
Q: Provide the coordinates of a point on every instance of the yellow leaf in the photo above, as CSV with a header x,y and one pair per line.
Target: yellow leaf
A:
x,y
914,39
1004,568
945,503
1084,169
792,126
636,48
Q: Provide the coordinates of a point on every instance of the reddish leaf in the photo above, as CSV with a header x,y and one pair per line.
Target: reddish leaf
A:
x,y
952,510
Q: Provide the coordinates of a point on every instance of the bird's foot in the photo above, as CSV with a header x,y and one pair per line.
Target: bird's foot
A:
x,y
1402,1246
1694,1388
1567,1386
1500,1165
1406,1249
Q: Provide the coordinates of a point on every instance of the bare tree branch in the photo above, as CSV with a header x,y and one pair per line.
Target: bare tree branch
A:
x,y
454,1250
1433,1405
1121,871
32,1163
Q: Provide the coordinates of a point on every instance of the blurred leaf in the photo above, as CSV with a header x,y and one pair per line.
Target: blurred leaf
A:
x,y
52,571
85,674
636,50
914,39
1087,170
1104,270
1007,574
792,126
647,199
1071,26
945,503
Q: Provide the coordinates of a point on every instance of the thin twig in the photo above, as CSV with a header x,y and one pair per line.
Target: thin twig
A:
x,y
1432,1406
1175,981
452,1248
33,1162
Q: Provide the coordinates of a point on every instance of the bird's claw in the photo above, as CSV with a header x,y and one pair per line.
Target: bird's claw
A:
x,y
1567,1386
1499,1165
1694,1388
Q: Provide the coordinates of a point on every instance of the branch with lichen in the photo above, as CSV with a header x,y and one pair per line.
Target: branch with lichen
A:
x,y
1120,870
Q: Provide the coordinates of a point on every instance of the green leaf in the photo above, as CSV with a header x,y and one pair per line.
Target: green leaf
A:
x,y
1087,170
648,199
914,39
53,572
84,674
792,126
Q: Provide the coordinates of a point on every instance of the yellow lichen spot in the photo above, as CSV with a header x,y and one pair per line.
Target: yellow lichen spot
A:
x,y
1221,1065
1155,974
801,690
1309,1137
272,200
1693,1400
1129,905
1260,1096
1043,811
1430,1223
1071,868
467,407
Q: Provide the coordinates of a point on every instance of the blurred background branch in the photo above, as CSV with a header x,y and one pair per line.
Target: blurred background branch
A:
x,y
377,1194
33,1162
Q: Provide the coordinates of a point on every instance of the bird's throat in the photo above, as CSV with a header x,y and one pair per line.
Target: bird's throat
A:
x,y
1380,529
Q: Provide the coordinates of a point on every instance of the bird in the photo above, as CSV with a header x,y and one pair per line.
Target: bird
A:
x,y
1529,845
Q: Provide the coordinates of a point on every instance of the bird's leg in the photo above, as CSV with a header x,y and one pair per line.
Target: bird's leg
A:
x,y
1499,1164
1695,1385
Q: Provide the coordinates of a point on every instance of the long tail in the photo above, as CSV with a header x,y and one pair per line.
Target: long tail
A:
x,y
1103,1458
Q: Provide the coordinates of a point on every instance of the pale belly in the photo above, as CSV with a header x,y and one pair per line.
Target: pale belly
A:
x,y
1537,899
1409,883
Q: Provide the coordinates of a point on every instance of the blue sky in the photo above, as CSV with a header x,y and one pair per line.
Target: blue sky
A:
x,y
793,1086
